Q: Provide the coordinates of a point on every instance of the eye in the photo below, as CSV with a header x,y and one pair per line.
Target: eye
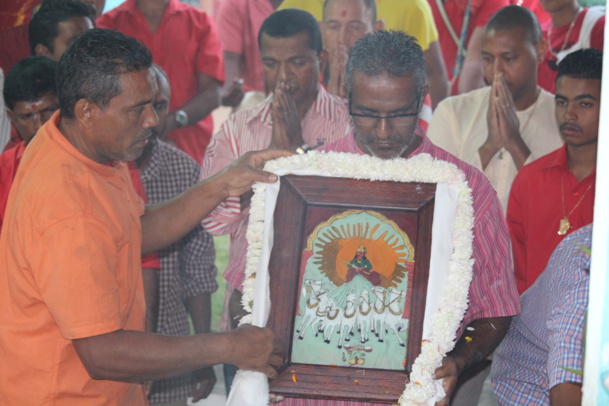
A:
x,y
298,62
560,103
332,26
486,58
269,64
586,104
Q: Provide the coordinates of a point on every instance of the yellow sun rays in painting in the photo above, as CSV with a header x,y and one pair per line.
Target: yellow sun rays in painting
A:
x,y
335,242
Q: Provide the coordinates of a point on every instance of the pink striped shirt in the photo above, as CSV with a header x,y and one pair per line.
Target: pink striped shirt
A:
x,y
249,130
492,292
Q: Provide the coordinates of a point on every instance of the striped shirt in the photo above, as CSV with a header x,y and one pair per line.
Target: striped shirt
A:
x,y
249,130
492,292
546,338
187,267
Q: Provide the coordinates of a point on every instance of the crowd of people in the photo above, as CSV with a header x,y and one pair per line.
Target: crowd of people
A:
x,y
112,182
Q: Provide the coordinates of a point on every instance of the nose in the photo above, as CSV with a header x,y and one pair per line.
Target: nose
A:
x,y
342,36
570,113
283,73
37,121
497,65
383,128
150,118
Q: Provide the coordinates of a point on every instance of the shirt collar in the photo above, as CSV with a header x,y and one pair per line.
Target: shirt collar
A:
x,y
560,159
56,136
173,6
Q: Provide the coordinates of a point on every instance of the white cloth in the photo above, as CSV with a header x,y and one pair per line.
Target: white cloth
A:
x,y
5,123
251,388
459,126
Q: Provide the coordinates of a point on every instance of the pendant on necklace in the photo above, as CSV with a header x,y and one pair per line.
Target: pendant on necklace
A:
x,y
564,226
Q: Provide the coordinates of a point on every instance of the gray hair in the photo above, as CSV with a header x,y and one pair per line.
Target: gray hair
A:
x,y
393,53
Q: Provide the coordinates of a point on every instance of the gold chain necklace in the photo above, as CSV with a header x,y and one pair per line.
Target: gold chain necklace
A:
x,y
565,225
564,43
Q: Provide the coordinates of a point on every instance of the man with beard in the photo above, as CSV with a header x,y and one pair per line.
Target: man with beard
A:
x,y
70,274
554,195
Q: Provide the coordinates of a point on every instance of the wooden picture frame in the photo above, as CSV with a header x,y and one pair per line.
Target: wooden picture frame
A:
x,y
322,225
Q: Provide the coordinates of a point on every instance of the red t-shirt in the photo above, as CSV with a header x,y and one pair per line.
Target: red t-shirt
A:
x,y
14,46
480,13
546,73
9,162
535,209
184,45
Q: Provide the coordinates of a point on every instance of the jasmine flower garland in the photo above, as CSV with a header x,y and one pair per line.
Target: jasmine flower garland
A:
x,y
421,388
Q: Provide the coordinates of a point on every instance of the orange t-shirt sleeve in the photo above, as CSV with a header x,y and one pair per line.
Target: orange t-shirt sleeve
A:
x,y
75,267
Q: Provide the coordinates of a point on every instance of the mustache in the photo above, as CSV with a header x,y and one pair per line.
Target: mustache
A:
x,y
570,126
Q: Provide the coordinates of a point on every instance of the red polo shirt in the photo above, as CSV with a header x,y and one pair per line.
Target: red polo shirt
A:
x,y
535,209
185,44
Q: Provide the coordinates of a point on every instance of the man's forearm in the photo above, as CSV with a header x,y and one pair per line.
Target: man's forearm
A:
x,y
479,340
199,308
202,104
165,223
133,356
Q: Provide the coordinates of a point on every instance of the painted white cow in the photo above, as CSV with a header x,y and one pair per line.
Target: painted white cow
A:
x,y
378,312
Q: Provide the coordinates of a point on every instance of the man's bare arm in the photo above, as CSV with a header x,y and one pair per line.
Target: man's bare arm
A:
x,y
566,394
200,106
436,74
472,75
477,342
167,222
133,356
232,91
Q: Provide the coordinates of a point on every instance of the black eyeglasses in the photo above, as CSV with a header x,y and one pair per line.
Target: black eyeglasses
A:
x,y
396,121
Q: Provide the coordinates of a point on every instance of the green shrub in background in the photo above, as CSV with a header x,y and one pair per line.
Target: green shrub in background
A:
x,y
590,3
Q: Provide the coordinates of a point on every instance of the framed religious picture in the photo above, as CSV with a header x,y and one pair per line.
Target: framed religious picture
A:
x,y
349,270
361,266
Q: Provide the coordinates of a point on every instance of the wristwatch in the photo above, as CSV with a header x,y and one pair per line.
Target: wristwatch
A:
x,y
181,118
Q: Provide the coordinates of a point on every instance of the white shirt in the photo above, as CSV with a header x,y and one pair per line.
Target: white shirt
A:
x,y
459,126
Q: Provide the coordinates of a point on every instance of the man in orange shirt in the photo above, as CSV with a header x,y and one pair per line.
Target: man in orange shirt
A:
x,y
71,296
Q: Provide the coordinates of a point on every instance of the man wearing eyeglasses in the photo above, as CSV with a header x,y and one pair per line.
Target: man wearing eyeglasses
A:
x,y
386,84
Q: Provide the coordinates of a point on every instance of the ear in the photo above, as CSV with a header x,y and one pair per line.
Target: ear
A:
x,y
324,58
86,112
540,48
378,25
11,115
424,93
42,50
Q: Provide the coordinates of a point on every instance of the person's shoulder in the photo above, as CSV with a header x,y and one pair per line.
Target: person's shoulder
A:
x,y
466,103
541,163
174,155
111,15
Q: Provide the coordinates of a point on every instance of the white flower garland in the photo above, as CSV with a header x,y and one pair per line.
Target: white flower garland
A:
x,y
420,168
